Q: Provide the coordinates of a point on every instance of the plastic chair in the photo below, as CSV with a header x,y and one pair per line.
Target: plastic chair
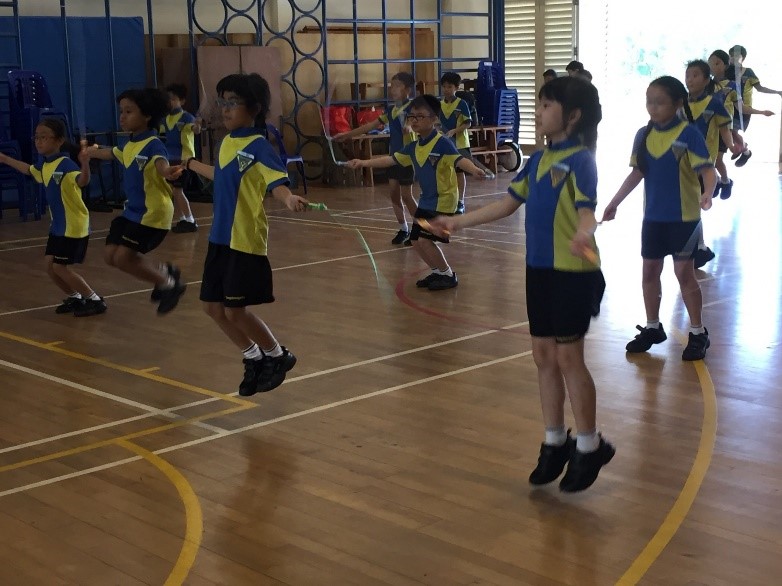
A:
x,y
274,133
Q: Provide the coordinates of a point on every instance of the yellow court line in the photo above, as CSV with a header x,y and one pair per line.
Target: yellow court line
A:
x,y
686,497
126,369
194,518
112,441
150,369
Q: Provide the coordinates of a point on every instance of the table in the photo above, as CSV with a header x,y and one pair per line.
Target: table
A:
x,y
483,143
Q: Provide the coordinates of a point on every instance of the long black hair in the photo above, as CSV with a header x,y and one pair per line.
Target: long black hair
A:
x,y
576,94
705,69
254,92
676,91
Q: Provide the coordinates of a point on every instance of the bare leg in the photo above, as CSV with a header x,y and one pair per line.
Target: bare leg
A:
x,y
580,386
551,382
134,263
62,285
406,192
722,169
431,254
652,288
217,312
691,290
251,326
181,204
395,194
72,281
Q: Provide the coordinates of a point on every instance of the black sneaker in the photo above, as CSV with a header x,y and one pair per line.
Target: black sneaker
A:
x,y
175,272
440,282
90,307
400,237
551,461
696,346
424,283
643,341
460,207
702,257
743,158
725,189
69,305
407,241
273,370
252,376
183,226
169,298
584,467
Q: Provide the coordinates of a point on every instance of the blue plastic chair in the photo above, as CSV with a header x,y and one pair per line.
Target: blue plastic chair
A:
x,y
274,134
11,177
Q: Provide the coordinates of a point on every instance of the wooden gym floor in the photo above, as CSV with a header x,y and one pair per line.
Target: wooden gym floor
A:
x,y
397,451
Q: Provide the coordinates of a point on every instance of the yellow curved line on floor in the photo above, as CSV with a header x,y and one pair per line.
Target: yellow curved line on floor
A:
x,y
127,369
112,441
684,501
194,519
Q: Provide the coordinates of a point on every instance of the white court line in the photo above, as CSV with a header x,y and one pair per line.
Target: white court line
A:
x,y
348,212
151,411
266,423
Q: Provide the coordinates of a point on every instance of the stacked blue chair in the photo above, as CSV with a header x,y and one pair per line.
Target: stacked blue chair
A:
x,y
273,134
497,105
28,95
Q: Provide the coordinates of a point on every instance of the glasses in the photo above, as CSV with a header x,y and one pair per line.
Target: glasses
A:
x,y
42,137
421,118
229,104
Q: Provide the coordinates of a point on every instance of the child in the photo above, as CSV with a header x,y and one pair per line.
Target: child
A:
x,y
669,154
748,81
179,129
718,63
434,158
712,119
455,119
237,273
148,210
69,231
548,75
574,68
401,89
564,281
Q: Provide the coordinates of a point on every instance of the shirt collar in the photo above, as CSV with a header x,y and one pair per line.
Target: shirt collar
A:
x,y
245,131
175,111
565,144
672,124
426,140
54,157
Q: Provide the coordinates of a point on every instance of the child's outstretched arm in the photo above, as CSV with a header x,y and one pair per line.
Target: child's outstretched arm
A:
x,y
630,183
363,129
765,90
167,171
204,170
20,166
709,175
101,153
494,211
375,163
468,166
84,160
293,202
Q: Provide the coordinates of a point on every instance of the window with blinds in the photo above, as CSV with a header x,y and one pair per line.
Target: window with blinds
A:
x,y
539,35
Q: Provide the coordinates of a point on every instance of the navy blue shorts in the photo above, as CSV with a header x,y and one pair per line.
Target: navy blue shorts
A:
x,y
417,231
404,175
143,239
234,278
677,239
65,250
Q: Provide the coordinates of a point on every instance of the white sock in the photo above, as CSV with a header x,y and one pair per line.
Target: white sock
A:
x,y
587,442
275,351
556,436
93,296
695,330
403,226
653,325
725,180
74,295
447,272
190,219
252,352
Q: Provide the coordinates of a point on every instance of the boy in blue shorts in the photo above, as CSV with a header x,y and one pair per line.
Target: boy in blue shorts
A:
x,y
435,160
455,119
400,179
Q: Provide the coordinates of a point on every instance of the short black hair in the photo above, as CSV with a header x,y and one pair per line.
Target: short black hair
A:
x,y
406,78
151,101
575,66
738,49
550,72
586,75
56,125
252,89
451,77
721,55
427,102
178,89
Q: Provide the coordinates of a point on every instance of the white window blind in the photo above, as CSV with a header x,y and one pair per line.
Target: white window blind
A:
x,y
539,35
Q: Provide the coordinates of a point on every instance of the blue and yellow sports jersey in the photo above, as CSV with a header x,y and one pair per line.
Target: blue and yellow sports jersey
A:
x,y
247,168
748,81
58,174
149,194
727,89
554,184
395,116
434,159
177,129
452,115
709,115
675,154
